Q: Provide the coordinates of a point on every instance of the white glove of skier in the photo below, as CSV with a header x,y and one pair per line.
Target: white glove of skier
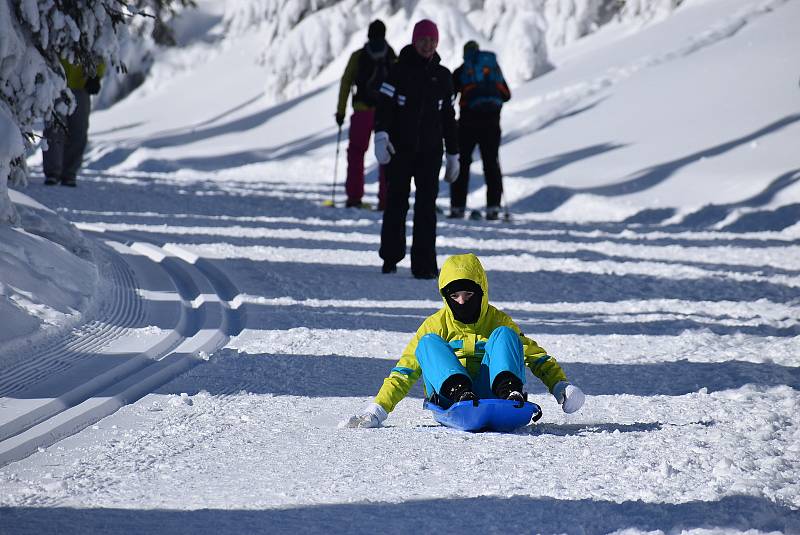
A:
x,y
373,415
569,396
451,168
383,148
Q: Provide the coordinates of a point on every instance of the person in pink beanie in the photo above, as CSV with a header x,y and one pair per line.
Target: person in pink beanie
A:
x,y
413,120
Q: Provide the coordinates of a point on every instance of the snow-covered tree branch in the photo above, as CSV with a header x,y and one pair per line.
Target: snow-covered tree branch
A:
x,y
34,36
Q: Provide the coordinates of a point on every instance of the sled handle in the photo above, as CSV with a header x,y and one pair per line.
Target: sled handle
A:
x,y
537,416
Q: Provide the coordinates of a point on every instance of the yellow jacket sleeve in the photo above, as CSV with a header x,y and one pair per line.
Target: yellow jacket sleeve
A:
x,y
348,79
541,364
403,376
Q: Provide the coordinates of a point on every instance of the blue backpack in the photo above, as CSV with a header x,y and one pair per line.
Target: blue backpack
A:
x,y
481,82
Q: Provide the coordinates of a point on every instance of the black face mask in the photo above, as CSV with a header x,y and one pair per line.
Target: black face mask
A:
x,y
470,311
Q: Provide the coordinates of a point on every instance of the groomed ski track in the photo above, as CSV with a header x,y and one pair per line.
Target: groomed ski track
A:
x,y
165,311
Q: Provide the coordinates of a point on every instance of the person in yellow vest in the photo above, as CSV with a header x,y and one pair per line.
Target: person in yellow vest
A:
x,y
66,142
468,350
366,70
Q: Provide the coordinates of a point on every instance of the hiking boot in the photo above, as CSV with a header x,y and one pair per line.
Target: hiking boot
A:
x,y
456,213
358,203
426,274
492,213
389,267
51,181
69,181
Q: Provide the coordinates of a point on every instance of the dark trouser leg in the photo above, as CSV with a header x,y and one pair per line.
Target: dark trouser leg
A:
x,y
426,180
77,134
53,157
489,147
381,187
466,144
393,230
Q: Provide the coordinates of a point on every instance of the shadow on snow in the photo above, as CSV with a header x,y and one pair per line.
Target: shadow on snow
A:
x,y
550,198
340,376
482,514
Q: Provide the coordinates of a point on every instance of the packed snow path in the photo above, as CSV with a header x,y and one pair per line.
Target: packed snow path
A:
x,y
685,341
653,251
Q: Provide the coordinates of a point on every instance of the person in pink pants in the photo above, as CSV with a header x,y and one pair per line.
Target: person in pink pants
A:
x,y
366,70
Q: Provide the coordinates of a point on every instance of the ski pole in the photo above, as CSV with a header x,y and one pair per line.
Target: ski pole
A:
x,y
506,215
336,166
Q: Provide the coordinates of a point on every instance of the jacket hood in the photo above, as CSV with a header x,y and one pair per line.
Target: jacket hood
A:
x,y
464,266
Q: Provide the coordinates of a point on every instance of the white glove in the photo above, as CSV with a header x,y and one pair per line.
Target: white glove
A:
x,y
570,397
451,168
373,415
383,148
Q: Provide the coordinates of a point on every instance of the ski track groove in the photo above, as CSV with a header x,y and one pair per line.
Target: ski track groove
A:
x,y
124,309
128,381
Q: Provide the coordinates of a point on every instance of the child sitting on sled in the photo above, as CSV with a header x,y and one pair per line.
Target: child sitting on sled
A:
x,y
468,350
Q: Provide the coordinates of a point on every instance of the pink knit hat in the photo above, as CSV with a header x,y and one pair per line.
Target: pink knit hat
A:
x,y
425,28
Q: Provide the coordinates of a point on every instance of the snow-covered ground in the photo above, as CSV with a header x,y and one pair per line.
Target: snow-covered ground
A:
x,y
177,359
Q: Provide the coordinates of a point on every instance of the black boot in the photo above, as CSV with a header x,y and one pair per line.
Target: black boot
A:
x,y
508,386
458,388
519,397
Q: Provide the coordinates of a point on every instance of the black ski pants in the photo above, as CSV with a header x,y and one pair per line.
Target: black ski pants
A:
x,y
487,136
424,168
64,154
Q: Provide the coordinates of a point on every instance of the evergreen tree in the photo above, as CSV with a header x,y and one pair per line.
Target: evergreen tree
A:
x,y
37,35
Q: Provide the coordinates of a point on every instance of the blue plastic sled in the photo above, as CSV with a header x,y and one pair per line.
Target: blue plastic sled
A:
x,y
486,414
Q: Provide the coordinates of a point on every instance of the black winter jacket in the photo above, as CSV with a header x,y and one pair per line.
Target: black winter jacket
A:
x,y
416,105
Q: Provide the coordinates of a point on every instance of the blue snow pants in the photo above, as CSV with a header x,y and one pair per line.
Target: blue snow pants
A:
x,y
502,352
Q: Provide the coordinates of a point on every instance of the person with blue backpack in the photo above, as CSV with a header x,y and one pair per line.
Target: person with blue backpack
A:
x,y
483,92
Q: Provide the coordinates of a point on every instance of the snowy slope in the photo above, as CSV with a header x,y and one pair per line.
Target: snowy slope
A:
x,y
235,321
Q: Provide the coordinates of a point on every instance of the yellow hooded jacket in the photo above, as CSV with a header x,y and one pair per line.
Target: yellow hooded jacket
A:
x,y
407,370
